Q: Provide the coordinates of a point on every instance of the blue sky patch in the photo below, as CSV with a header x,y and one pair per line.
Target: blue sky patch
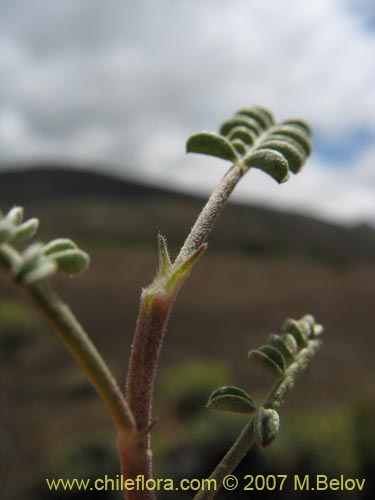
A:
x,y
343,148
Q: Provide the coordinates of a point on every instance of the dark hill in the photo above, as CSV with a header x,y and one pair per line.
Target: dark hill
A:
x,y
53,182
261,267
90,204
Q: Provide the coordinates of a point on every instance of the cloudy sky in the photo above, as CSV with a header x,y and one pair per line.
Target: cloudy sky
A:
x,y
124,83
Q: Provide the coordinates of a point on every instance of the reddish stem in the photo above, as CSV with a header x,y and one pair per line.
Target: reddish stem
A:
x,y
136,457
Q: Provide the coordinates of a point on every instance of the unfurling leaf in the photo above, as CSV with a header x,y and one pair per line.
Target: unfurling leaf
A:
x,y
295,133
26,230
261,115
232,403
15,216
72,261
30,259
12,228
230,398
211,144
286,344
271,162
6,230
243,134
239,146
240,121
266,426
269,358
231,390
258,142
293,155
299,329
58,245
317,330
41,271
298,123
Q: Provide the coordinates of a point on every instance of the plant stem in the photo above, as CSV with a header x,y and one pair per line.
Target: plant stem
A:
x,y
230,461
273,400
144,356
78,343
149,334
211,211
151,326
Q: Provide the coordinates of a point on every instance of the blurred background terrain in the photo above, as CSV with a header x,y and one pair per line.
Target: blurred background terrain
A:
x,y
96,102
261,267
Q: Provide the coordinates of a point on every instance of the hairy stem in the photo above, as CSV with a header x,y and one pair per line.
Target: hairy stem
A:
x,y
273,400
78,343
150,330
144,356
151,326
211,211
156,304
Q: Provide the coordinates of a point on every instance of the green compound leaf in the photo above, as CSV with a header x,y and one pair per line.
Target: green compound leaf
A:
x,y
317,330
15,216
287,346
230,398
240,121
309,318
232,391
299,329
239,146
294,156
6,230
269,161
269,358
265,112
232,403
39,261
41,271
26,230
298,123
290,343
30,259
256,141
261,115
12,228
295,133
275,355
305,327
243,134
58,245
72,261
283,138
212,144
266,426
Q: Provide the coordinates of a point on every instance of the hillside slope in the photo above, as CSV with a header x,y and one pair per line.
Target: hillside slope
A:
x,y
261,267
90,204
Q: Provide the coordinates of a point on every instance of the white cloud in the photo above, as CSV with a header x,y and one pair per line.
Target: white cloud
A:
x,y
344,194
12,128
127,82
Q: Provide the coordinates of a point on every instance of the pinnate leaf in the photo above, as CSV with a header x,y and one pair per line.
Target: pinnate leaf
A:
x,y
261,115
266,426
269,358
232,403
240,121
72,261
269,161
212,144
